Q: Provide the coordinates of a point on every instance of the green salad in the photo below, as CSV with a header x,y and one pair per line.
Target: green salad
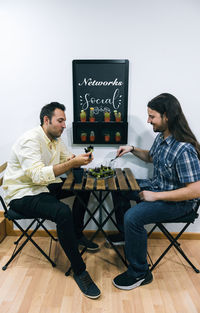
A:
x,y
101,172
89,149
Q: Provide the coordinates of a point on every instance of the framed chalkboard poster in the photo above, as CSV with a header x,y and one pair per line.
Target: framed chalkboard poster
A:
x,y
100,96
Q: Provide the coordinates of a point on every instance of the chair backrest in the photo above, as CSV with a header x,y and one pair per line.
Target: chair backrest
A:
x,y
2,169
197,204
196,208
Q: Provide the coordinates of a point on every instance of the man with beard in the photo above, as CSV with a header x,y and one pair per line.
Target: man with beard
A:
x,y
170,194
33,188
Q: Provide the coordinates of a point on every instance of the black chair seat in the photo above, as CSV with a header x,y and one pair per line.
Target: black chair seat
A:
x,y
33,225
12,215
186,220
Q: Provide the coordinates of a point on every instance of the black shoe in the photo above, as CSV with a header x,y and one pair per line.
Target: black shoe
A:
x,y
87,286
84,242
127,282
117,239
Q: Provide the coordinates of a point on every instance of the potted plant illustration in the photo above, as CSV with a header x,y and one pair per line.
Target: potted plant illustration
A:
x,y
107,137
83,116
92,136
117,137
92,117
115,112
117,116
107,116
83,137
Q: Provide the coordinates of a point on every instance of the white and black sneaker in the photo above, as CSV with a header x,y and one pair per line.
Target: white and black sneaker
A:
x,y
127,282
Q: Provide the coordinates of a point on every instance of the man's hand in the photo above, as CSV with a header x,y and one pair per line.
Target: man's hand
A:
x,y
123,150
82,159
147,195
74,161
189,192
71,157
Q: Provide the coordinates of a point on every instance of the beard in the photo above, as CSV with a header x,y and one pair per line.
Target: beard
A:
x,y
158,129
55,134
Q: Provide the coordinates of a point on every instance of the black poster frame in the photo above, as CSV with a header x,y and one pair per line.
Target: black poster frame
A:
x,y
102,84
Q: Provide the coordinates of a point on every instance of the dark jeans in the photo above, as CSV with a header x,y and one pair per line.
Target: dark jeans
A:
x,y
78,209
78,212
135,218
121,203
142,214
47,205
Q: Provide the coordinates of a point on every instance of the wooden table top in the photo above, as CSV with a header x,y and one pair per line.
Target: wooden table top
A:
x,y
123,180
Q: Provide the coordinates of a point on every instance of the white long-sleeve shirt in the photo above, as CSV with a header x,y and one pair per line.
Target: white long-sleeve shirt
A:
x,y
30,167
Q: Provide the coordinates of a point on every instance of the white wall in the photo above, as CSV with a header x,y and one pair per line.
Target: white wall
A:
x,y
40,38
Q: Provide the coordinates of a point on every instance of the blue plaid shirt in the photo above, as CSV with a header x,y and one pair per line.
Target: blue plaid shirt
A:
x,y
175,164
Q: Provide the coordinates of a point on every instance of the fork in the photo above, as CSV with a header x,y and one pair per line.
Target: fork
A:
x,y
114,158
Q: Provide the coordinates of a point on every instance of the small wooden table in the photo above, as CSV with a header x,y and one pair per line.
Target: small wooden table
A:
x,y
123,180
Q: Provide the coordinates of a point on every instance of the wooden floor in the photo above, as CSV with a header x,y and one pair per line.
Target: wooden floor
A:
x,y
31,285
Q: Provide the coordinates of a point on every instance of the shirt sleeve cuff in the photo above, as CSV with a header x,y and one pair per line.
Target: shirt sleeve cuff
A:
x,y
48,173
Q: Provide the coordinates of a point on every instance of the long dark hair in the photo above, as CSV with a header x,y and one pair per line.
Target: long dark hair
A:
x,y
177,123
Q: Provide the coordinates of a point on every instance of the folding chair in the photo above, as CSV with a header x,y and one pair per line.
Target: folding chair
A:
x,y
187,220
37,222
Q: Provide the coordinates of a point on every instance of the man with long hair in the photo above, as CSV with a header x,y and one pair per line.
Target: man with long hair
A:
x,y
172,191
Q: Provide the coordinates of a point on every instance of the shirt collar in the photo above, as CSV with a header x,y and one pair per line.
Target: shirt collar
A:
x,y
167,140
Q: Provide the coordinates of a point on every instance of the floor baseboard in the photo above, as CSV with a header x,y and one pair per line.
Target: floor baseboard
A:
x,y
89,233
